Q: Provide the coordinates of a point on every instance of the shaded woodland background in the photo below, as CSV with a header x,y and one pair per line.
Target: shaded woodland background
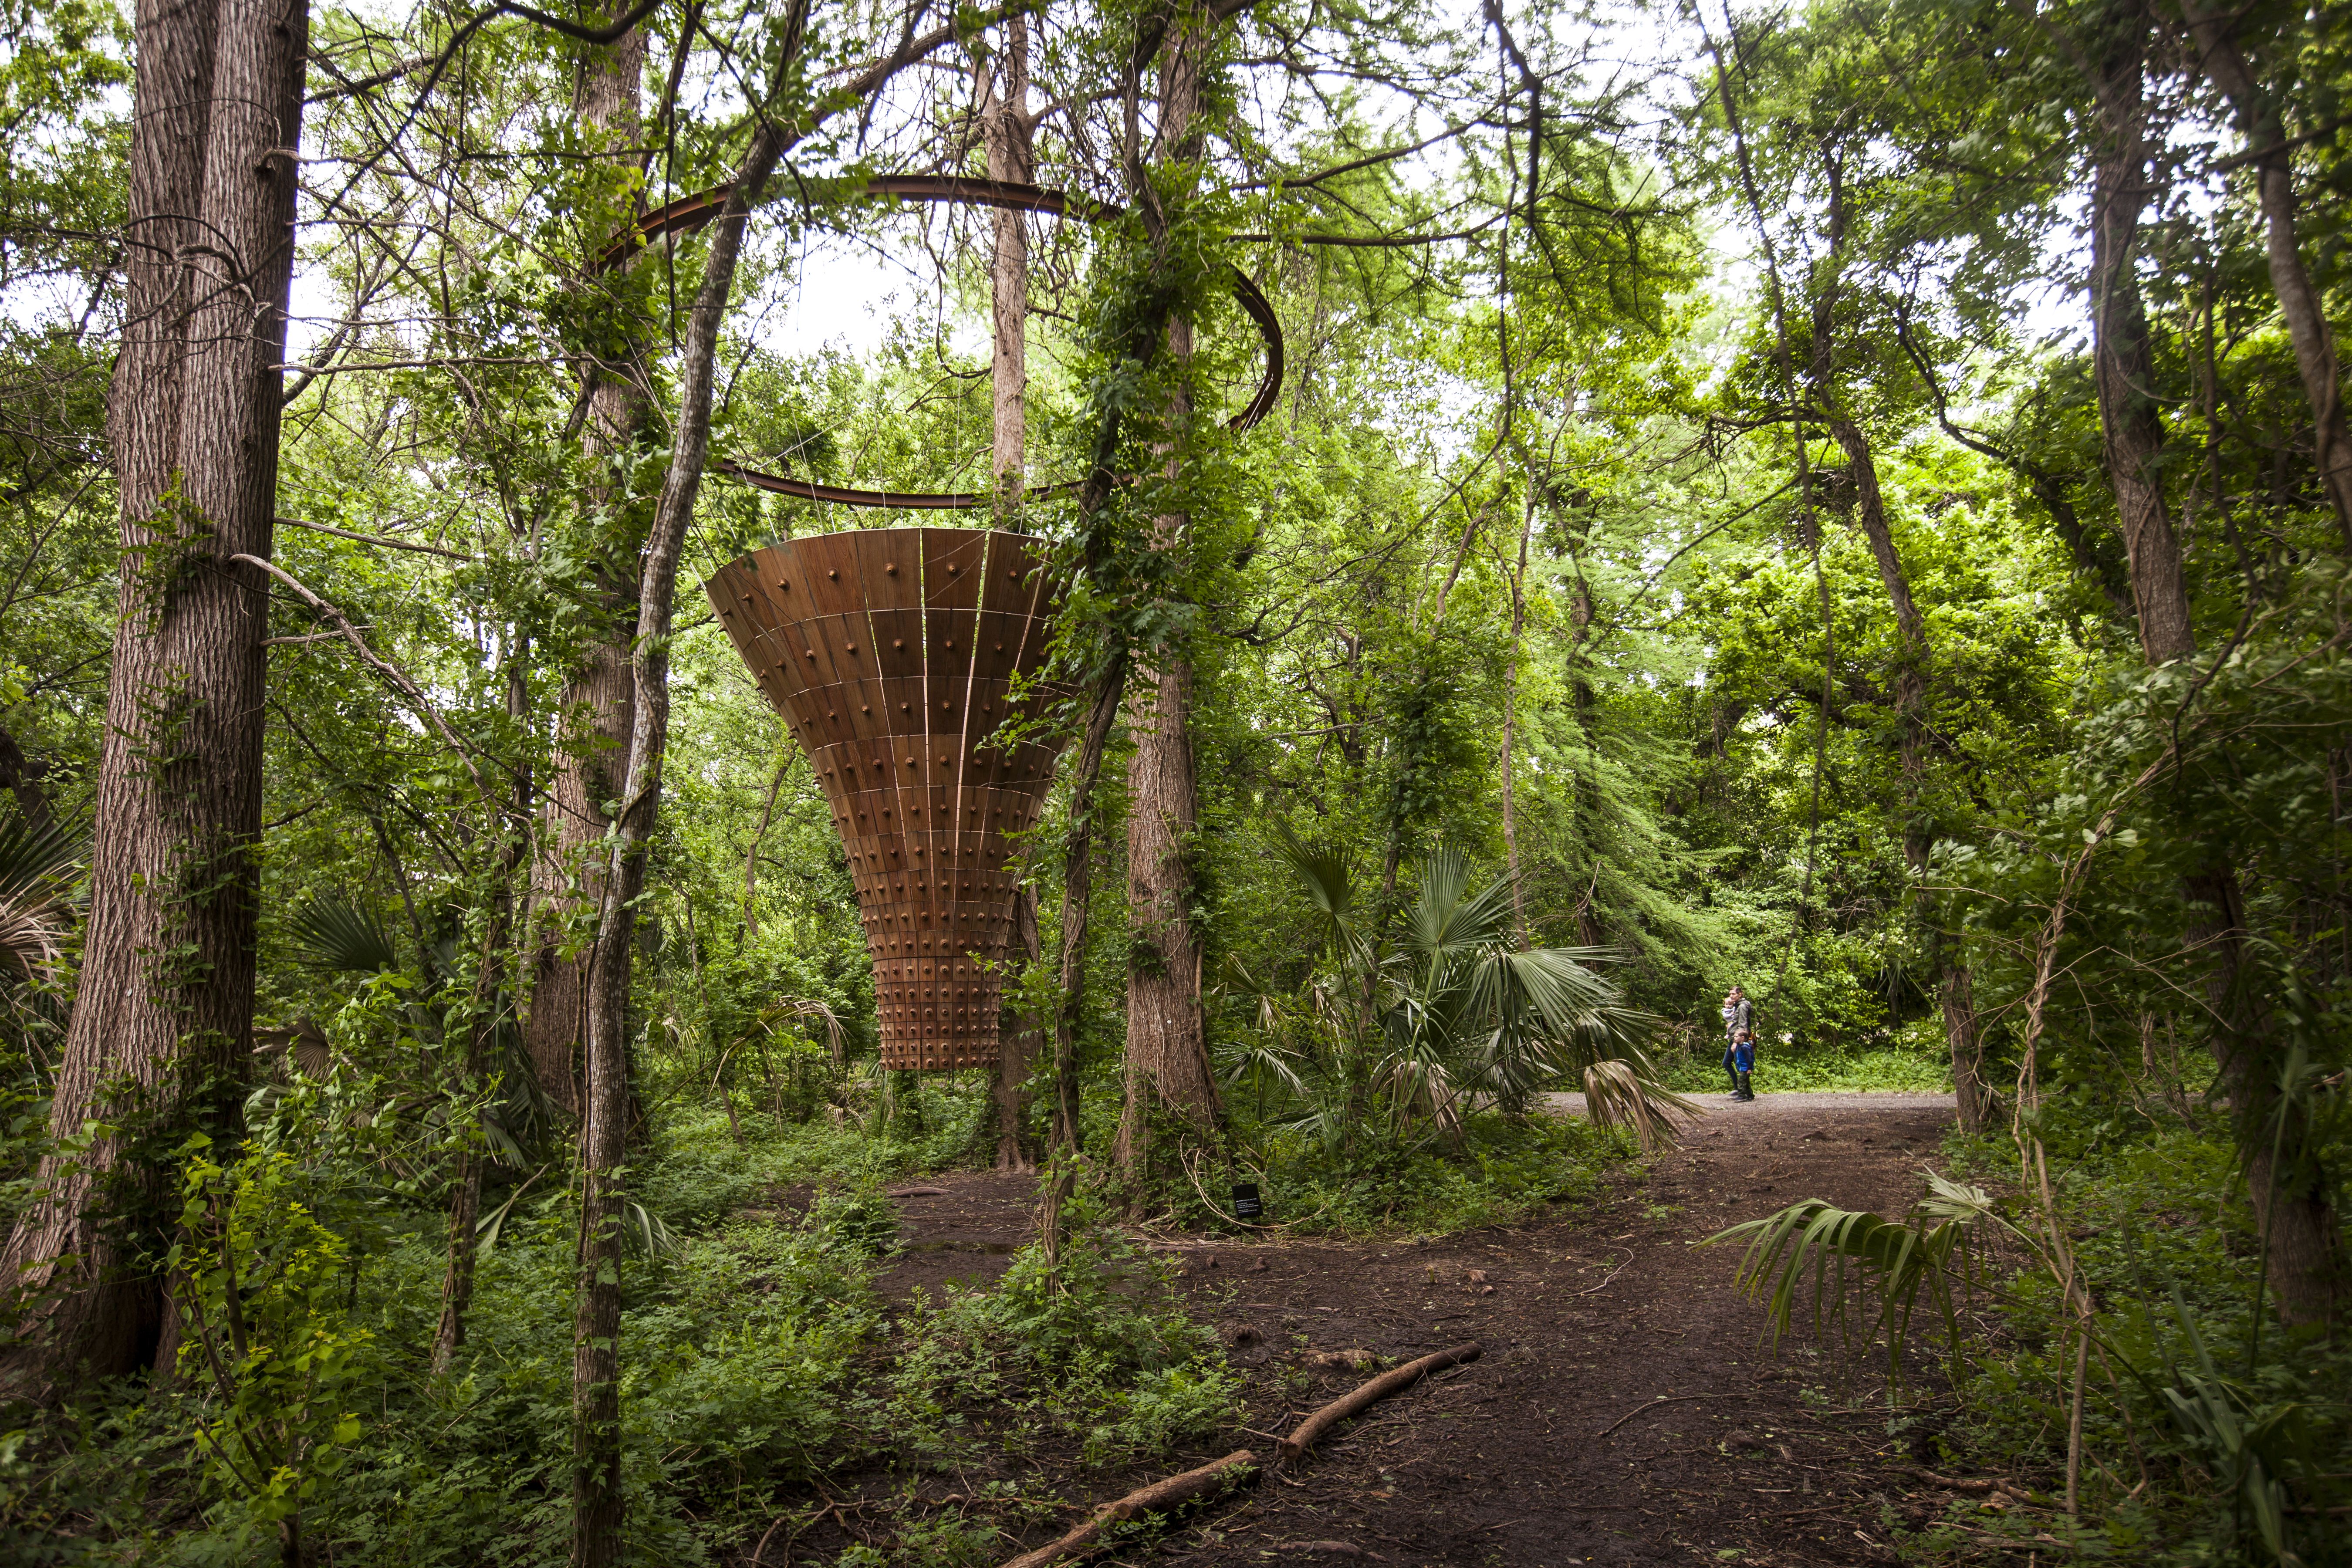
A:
x,y
1852,500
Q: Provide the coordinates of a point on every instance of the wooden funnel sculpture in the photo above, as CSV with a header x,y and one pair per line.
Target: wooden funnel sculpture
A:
x,y
891,653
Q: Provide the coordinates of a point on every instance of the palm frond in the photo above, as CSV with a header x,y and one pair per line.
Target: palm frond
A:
x,y
807,1007
341,937
1326,875
302,1042
1420,1089
1574,1003
1861,1266
1619,1094
1253,1061
1446,915
492,1226
644,1232
34,860
31,938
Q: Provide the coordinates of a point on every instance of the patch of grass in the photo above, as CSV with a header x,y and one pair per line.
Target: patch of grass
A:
x,y
1821,1070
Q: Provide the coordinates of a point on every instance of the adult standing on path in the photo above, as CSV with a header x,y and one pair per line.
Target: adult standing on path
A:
x,y
1738,1018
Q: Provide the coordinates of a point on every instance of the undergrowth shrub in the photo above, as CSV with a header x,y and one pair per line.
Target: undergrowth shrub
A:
x,y
1503,1169
1091,1346
2210,1433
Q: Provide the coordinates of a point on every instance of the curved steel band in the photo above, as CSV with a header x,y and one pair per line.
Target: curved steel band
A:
x,y
690,213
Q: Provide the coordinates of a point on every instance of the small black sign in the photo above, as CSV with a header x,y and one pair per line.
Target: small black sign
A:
x,y
1245,1204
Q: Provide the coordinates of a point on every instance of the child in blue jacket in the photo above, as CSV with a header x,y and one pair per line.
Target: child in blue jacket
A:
x,y
1743,1064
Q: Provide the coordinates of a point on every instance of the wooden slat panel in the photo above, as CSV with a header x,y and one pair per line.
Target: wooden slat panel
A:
x,y
874,668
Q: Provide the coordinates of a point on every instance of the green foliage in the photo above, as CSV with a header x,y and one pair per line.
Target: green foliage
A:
x,y
1785,1070
1089,1338
1546,560
1504,1171
862,1220
268,1334
343,937
1406,1024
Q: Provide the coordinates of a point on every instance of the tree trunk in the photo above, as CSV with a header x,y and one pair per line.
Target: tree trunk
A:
x,y
595,717
1007,127
1150,335
596,1316
1012,156
2306,315
1968,1085
21,776
1167,1046
492,984
759,837
1018,1037
2123,368
1077,904
2286,1177
164,1007
2286,1181
1511,719
1585,782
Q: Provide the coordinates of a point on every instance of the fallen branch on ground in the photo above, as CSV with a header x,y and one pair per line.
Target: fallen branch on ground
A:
x,y
1295,1447
1144,1499
1950,1483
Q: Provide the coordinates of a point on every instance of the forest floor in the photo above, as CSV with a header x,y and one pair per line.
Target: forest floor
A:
x,y
1625,1410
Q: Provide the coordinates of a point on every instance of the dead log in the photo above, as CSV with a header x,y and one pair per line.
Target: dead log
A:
x,y
1950,1483
1158,1495
1296,1445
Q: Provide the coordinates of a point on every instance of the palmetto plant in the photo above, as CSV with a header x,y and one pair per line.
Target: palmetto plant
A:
x,y
1866,1275
34,863
338,936
1409,1025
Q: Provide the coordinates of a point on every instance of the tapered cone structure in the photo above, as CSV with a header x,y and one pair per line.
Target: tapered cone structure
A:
x,y
892,653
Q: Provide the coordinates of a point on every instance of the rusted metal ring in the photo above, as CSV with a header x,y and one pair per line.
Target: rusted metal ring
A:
x,y
688,213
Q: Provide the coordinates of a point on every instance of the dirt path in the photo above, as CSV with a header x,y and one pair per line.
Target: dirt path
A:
x,y
1625,1410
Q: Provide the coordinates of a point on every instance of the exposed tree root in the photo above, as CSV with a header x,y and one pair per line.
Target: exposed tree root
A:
x,y
1158,1494
1295,1447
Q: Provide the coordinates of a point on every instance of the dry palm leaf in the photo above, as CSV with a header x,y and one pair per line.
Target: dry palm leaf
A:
x,y
30,938
302,1042
1616,1094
